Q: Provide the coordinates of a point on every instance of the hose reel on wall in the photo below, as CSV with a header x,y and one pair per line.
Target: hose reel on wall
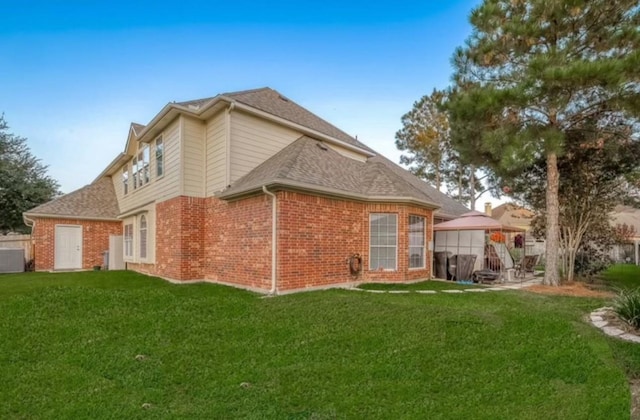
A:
x,y
355,264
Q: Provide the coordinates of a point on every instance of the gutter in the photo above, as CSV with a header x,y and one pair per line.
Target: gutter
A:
x,y
332,192
274,245
25,216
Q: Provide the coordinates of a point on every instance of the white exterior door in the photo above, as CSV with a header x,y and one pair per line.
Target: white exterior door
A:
x,y
68,247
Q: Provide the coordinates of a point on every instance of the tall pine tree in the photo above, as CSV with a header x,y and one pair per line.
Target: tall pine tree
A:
x,y
534,70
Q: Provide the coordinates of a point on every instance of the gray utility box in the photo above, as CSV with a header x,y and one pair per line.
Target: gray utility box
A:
x,y
11,260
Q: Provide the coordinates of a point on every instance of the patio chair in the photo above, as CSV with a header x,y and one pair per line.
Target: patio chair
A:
x,y
496,264
526,265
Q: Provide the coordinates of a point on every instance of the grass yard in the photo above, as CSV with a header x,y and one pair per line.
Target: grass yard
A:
x,y
436,285
122,345
622,276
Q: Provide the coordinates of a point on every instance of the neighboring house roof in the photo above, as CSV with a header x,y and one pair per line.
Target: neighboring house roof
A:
x,y
274,103
94,201
511,214
310,164
627,215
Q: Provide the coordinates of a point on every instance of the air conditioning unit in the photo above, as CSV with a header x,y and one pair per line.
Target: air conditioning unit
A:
x,y
11,260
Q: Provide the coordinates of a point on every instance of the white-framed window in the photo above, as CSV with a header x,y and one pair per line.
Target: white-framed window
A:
x,y
143,166
143,236
128,240
383,241
159,157
416,241
125,179
134,169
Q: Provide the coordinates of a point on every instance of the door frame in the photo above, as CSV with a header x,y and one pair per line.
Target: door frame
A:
x,y
55,247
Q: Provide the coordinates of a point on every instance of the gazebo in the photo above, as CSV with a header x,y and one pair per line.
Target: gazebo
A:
x,y
472,247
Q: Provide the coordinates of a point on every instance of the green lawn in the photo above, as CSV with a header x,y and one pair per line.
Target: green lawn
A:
x,y
423,285
622,276
122,345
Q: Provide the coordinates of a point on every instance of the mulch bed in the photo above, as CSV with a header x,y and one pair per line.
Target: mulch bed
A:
x,y
576,289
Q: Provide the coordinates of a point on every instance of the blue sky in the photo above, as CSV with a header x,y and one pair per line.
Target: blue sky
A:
x,y
75,74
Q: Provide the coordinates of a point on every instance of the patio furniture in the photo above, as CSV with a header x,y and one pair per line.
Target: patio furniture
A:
x,y
461,266
441,263
485,276
526,265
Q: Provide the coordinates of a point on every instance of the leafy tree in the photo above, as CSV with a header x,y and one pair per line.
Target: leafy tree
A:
x,y
425,137
592,174
533,71
24,182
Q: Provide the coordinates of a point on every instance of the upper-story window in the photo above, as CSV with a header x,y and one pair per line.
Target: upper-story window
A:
x,y
125,179
134,169
159,157
141,167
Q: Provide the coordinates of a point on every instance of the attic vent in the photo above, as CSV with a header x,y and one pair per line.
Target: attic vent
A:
x,y
322,146
283,98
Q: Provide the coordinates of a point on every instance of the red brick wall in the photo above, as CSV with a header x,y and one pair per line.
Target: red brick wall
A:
x,y
179,239
95,240
316,235
237,241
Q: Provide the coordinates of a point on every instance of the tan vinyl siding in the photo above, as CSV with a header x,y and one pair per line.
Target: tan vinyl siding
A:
x,y
193,156
254,140
158,189
216,154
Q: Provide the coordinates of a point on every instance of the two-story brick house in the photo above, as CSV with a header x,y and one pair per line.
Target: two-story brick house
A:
x,y
248,189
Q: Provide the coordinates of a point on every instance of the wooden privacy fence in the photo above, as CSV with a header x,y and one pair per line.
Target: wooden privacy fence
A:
x,y
17,241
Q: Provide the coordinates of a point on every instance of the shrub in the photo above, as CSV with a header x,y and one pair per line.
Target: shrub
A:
x,y
627,306
591,260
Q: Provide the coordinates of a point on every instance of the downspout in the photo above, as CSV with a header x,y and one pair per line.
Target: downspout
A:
x,y
432,245
274,244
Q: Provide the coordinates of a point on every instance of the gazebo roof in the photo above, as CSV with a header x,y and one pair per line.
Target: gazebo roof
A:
x,y
474,220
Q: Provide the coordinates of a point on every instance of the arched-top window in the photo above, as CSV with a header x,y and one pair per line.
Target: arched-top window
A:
x,y
143,236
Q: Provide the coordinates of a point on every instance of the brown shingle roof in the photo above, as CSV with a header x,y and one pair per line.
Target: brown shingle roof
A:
x,y
93,201
274,103
308,163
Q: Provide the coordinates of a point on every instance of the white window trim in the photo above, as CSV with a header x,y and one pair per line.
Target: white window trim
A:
x,y
125,171
146,237
424,245
384,246
132,242
164,152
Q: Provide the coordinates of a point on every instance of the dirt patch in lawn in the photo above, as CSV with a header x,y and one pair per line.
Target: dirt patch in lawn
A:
x,y
570,289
